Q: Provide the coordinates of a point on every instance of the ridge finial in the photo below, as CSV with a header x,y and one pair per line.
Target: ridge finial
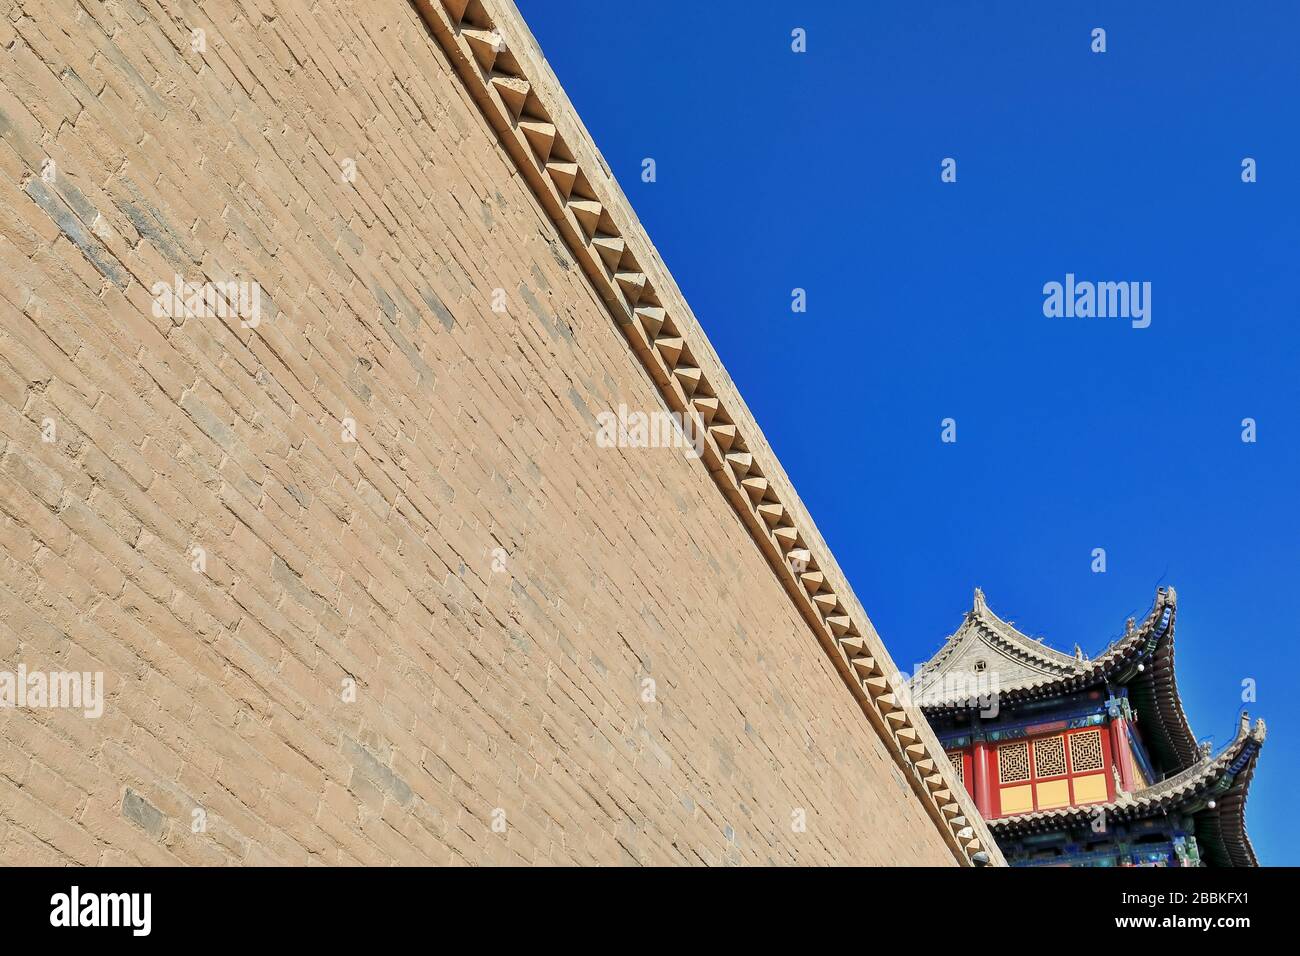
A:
x,y
979,606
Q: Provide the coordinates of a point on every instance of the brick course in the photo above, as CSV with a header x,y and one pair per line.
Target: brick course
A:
x,y
482,694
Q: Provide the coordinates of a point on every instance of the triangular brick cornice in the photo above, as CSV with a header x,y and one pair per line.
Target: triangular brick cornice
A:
x,y
557,157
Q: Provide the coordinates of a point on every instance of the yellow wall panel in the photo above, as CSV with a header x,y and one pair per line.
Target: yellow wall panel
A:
x,y
1090,789
1055,793
1017,799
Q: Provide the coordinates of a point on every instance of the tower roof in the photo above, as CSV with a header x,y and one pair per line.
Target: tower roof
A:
x,y
987,655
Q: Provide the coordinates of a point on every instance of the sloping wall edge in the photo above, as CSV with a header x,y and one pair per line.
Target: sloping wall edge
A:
x,y
503,69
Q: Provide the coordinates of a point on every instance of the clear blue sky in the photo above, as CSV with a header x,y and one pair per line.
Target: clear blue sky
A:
x,y
821,170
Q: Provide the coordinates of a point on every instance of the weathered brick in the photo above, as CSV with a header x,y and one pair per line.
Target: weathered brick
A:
x,y
493,586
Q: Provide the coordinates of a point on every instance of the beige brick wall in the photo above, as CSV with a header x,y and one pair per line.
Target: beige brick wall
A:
x,y
486,679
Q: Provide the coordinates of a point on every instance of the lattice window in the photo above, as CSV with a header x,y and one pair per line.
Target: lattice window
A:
x,y
958,768
1013,762
1049,757
1085,751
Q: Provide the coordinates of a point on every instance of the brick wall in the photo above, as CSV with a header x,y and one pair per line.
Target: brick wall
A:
x,y
393,642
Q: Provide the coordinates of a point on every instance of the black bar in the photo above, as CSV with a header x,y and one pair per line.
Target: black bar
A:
x,y
376,908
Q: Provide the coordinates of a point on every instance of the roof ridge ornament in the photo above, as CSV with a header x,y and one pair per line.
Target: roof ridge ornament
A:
x,y
980,607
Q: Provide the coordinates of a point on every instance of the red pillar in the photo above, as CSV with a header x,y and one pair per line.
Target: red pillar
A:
x,y
980,764
1123,755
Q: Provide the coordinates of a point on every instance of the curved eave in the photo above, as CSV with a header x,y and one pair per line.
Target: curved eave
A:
x,y
1220,832
1153,693
1153,689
